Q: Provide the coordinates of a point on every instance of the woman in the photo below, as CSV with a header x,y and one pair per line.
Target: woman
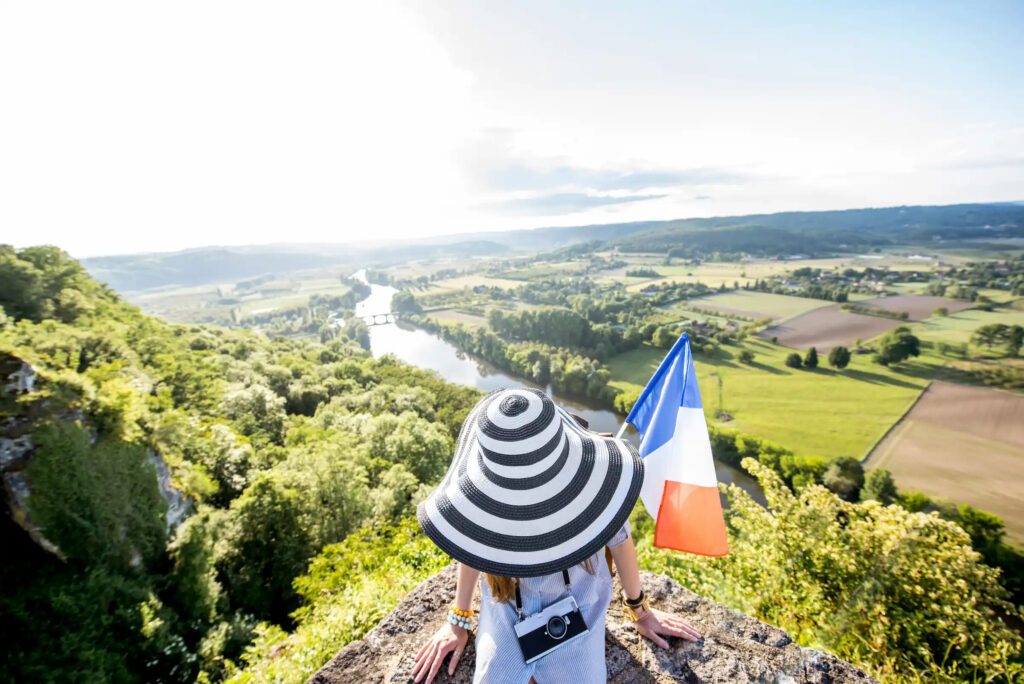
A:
x,y
531,500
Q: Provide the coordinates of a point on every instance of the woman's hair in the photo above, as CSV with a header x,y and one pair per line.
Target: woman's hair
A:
x,y
503,589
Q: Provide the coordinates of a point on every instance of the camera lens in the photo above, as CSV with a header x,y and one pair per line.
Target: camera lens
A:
x,y
556,627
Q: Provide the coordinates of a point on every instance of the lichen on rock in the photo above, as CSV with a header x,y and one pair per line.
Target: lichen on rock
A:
x,y
735,648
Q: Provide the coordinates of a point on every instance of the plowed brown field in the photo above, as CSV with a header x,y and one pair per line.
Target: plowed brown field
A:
x,y
963,443
828,327
918,307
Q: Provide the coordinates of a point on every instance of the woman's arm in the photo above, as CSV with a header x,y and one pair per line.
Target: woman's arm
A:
x,y
650,623
449,637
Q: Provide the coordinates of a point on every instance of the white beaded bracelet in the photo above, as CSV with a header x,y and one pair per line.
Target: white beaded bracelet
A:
x,y
460,621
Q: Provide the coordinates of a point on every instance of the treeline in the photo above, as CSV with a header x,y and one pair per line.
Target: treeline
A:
x,y
565,370
563,328
642,272
953,290
280,447
1011,337
866,310
1005,274
802,287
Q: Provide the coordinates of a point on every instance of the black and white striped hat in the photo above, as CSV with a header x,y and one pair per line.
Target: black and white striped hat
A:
x,y
529,491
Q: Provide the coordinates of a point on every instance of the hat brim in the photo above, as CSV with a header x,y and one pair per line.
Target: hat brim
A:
x,y
578,493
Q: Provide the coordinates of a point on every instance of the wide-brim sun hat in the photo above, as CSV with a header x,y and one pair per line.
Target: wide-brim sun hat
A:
x,y
529,491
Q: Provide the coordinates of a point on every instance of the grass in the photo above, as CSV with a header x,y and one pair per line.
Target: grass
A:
x,y
759,304
822,412
452,284
674,313
957,328
999,296
547,270
455,316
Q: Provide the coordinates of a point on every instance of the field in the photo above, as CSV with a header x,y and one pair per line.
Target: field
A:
x,y
461,282
919,307
828,327
758,305
216,303
674,313
455,316
822,412
546,270
957,328
965,444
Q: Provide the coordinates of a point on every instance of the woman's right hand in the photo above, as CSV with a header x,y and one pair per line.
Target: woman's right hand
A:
x,y
428,661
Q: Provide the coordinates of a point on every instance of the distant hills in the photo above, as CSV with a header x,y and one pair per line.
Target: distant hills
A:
x,y
781,234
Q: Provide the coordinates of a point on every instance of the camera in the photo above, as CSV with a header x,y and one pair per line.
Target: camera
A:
x,y
555,626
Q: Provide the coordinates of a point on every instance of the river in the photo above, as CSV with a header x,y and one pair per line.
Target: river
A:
x,y
426,350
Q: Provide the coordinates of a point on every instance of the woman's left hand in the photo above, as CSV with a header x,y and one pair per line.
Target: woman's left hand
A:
x,y
654,624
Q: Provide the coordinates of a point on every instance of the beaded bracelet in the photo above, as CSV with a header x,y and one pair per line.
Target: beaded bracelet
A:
x,y
459,620
462,613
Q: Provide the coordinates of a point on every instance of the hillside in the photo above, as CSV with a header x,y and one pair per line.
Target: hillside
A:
x,y
812,232
165,484
192,503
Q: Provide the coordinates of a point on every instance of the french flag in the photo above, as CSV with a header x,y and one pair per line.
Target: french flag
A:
x,y
680,487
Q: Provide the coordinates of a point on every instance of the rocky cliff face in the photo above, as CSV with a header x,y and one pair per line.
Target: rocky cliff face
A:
x,y
22,407
735,648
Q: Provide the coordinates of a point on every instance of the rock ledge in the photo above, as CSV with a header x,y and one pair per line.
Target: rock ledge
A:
x,y
735,648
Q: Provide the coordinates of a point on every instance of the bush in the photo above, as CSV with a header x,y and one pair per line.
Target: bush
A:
x,y
624,401
839,357
901,594
879,485
794,360
845,477
897,346
746,356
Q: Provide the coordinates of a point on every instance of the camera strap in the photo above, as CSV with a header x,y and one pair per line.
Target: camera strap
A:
x,y
519,599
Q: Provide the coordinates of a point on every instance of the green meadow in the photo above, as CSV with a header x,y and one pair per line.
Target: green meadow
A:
x,y
957,328
821,412
758,304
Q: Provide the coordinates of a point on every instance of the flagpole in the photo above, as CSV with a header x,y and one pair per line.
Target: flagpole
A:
x,y
622,431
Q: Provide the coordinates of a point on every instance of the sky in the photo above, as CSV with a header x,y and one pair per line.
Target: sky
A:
x,y
153,126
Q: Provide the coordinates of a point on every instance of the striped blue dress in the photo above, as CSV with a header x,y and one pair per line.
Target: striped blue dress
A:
x,y
498,658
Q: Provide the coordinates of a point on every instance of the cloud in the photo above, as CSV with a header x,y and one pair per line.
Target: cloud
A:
x,y
984,163
563,203
493,165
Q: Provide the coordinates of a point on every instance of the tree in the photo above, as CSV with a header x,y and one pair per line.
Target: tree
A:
x,y
356,329
811,360
664,337
747,357
1014,341
845,477
855,563
879,485
405,302
839,357
989,335
897,346
794,360
266,545
940,311
257,411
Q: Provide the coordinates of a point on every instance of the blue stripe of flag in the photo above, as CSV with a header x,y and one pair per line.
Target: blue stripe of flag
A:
x,y
674,384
